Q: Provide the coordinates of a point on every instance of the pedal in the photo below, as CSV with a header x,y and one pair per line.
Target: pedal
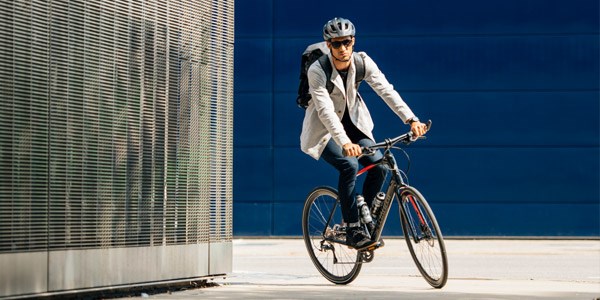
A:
x,y
376,246
380,244
366,248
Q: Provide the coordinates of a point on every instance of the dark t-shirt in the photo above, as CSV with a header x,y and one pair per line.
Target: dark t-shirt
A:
x,y
353,133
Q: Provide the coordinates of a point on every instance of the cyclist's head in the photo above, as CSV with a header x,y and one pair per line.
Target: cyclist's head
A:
x,y
340,32
338,27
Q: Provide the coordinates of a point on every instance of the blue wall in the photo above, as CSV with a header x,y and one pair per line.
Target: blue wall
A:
x,y
512,87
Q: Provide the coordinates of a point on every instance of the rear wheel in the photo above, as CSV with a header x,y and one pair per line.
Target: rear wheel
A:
x,y
325,236
423,237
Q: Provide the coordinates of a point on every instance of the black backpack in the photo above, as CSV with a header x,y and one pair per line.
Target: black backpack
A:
x,y
318,52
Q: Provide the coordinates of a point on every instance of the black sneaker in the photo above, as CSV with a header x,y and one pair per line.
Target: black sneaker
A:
x,y
357,238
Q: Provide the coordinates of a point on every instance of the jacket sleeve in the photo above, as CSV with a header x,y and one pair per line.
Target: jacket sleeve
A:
x,y
375,78
324,105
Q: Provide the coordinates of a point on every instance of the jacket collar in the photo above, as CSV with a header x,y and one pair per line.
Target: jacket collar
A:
x,y
336,78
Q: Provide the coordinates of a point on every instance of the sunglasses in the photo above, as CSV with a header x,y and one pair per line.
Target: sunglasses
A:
x,y
338,44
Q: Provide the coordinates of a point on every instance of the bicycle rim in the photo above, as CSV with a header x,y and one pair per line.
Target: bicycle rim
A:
x,y
336,262
424,237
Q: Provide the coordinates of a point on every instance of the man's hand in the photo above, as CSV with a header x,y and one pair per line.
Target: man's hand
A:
x,y
351,149
418,129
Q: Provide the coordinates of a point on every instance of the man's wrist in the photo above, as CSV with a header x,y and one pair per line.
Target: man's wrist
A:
x,y
412,120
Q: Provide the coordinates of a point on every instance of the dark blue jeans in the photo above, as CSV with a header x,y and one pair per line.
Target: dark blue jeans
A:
x,y
348,167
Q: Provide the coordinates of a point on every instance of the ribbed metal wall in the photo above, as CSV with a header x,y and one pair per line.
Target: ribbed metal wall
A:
x,y
115,124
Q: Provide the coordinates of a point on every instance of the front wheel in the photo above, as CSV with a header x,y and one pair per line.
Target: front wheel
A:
x,y
325,236
423,236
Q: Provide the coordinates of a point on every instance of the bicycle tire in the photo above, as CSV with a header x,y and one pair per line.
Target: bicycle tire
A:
x,y
335,261
429,254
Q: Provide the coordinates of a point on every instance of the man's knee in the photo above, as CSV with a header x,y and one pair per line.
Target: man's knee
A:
x,y
349,167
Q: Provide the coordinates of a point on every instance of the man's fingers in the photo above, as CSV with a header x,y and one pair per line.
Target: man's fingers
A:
x,y
420,130
355,151
351,150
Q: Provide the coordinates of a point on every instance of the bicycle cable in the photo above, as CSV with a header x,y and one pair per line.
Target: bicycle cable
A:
x,y
407,163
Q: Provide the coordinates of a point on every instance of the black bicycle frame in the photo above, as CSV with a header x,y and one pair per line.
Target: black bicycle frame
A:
x,y
329,218
394,189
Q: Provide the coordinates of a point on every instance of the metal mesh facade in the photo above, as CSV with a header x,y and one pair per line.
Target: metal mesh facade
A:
x,y
115,123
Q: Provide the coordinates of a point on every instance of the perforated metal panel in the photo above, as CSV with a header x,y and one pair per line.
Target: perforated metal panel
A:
x,y
24,119
115,124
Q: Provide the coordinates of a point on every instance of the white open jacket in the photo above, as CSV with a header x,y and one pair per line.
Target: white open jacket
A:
x,y
322,119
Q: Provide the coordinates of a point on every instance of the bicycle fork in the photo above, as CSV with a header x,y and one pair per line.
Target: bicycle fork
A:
x,y
406,203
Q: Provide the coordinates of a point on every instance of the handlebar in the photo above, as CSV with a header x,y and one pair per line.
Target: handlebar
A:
x,y
406,138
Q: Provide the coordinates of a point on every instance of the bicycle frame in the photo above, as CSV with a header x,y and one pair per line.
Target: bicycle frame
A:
x,y
394,190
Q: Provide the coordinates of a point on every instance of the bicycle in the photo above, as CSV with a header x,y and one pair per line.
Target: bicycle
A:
x,y
324,230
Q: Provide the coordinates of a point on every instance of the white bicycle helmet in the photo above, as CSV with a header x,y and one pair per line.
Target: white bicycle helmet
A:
x,y
338,27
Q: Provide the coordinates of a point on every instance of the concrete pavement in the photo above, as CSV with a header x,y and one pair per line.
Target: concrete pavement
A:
x,y
479,269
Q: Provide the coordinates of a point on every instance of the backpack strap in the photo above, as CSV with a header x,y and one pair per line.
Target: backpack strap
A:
x,y
328,69
359,64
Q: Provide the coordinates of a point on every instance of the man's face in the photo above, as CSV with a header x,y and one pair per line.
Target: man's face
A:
x,y
342,47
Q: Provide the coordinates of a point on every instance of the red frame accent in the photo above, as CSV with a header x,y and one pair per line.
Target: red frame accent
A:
x,y
365,169
412,201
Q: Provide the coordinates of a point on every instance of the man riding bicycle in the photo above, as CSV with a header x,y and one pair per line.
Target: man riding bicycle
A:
x,y
337,125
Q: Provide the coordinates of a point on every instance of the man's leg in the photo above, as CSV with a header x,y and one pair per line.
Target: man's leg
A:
x,y
375,176
347,167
